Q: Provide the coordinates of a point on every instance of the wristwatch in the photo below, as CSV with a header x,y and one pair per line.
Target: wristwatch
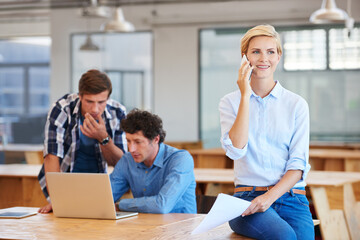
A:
x,y
105,141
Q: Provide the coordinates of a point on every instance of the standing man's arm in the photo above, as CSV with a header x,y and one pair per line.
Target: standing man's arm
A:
x,y
111,152
54,143
51,164
97,130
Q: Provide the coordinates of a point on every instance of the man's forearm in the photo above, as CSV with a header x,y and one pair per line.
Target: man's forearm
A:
x,y
51,163
111,153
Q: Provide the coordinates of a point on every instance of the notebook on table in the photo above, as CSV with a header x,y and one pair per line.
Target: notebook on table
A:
x,y
17,212
83,195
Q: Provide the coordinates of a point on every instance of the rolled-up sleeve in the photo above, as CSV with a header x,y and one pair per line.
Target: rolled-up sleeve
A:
x,y
299,145
227,119
55,131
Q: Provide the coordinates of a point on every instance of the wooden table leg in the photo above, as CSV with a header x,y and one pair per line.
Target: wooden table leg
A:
x,y
34,157
352,165
332,221
352,211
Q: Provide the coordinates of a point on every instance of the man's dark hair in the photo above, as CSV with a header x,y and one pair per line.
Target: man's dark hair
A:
x,y
150,124
94,82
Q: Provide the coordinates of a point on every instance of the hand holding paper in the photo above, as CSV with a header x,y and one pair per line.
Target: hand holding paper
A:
x,y
225,208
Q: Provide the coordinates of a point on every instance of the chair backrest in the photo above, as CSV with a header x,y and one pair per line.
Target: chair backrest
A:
x,y
204,203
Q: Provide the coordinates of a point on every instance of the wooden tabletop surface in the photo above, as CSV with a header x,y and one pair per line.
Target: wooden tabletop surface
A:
x,y
143,226
22,147
314,178
209,151
334,153
19,170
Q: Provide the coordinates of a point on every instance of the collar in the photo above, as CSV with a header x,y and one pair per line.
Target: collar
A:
x,y
159,159
275,92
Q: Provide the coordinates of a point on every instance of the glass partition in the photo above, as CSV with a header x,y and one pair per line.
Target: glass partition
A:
x,y
126,57
24,88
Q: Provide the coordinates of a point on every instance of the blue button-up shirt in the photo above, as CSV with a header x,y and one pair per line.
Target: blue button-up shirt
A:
x,y
168,186
278,137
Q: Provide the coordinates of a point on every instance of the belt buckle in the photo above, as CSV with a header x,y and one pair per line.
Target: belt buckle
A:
x,y
267,188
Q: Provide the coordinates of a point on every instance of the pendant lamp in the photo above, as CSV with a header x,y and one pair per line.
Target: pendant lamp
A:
x,y
118,24
328,13
89,45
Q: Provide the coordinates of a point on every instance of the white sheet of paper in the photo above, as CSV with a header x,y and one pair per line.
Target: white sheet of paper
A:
x,y
225,208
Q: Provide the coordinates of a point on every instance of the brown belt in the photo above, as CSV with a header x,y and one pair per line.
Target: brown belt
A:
x,y
249,189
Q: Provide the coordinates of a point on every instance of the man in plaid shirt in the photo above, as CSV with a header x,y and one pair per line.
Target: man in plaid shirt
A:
x,y
82,131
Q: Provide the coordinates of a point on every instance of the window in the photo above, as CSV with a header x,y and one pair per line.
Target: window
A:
x,y
344,49
125,57
24,87
320,64
304,50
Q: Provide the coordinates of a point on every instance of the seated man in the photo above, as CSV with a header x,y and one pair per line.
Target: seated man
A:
x,y
160,177
82,132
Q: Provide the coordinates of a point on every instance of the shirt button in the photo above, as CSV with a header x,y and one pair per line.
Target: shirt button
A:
x,y
146,171
144,189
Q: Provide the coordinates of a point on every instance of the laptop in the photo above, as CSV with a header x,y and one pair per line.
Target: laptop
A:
x,y
83,195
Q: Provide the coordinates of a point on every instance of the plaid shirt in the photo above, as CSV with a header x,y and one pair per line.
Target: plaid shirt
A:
x,y
62,137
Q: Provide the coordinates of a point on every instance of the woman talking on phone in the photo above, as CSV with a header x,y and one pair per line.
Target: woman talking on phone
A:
x,y
265,130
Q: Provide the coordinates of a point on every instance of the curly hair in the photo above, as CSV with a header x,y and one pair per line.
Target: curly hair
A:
x,y
94,82
150,124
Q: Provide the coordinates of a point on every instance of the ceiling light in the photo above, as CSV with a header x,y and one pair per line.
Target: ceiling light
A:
x,y
94,10
118,23
328,13
89,45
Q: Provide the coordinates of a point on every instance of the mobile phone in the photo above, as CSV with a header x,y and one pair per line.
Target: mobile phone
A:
x,y
244,59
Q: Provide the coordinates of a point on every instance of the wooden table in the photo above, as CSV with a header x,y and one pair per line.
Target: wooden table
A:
x,y
144,226
335,145
33,153
212,181
320,159
19,186
336,198
335,159
211,158
336,195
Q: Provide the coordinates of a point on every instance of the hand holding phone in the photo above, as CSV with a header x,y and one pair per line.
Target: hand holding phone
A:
x,y
245,60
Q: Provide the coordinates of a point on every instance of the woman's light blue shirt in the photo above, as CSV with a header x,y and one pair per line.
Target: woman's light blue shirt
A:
x,y
278,137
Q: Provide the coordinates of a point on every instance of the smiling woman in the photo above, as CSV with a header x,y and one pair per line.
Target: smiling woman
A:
x,y
265,129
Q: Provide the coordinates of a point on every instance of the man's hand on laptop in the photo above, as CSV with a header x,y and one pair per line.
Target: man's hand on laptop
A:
x,y
46,209
117,207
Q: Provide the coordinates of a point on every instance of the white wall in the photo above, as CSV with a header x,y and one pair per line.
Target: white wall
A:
x,y
24,29
175,28
176,81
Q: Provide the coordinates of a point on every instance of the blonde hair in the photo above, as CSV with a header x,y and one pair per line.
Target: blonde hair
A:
x,y
260,30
